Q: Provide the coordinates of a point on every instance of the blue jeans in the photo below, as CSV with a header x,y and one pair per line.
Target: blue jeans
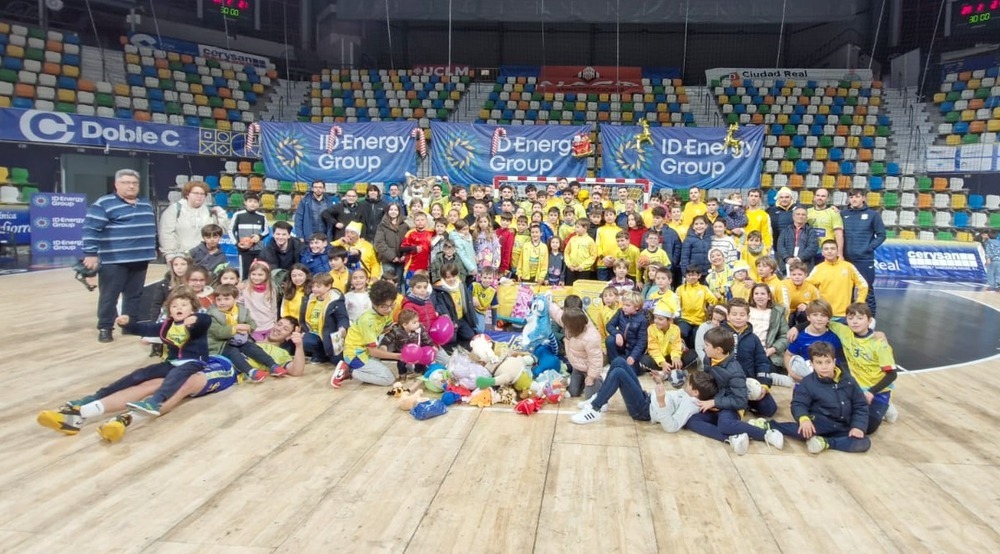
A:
x,y
615,352
834,432
722,424
993,274
876,411
765,407
313,346
622,378
173,377
113,280
867,270
239,354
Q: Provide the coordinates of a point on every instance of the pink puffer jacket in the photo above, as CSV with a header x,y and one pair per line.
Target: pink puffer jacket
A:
x,y
584,351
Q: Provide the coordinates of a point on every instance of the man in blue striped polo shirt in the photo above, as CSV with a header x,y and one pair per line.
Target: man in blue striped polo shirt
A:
x,y
119,239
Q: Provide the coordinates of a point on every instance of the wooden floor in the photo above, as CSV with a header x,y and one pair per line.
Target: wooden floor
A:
x,y
295,466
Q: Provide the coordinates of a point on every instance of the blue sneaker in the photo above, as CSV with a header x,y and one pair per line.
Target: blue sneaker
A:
x,y
148,406
75,404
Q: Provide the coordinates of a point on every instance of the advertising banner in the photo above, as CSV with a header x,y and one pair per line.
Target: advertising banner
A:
x,y
968,158
683,157
14,219
590,79
57,224
935,261
442,70
465,152
193,49
120,134
795,74
358,153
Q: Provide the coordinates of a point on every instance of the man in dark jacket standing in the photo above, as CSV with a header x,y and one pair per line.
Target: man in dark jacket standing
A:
x,y
781,214
338,217
370,212
797,241
309,214
863,233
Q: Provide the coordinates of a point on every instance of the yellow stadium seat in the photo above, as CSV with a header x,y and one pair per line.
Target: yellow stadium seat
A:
x,y
787,167
200,100
829,181
196,88
959,202
953,140
907,234
993,126
122,89
765,180
223,125
226,183
806,197
874,200
4,102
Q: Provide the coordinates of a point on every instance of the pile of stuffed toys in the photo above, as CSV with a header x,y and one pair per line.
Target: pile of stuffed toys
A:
x,y
526,373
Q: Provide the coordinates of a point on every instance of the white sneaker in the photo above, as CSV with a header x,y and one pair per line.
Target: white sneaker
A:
x,y
774,438
584,404
585,416
891,414
816,444
780,380
740,443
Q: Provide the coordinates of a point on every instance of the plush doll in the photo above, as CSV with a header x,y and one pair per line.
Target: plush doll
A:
x,y
538,327
506,395
528,406
482,351
545,360
755,391
396,391
515,370
464,372
435,378
481,398
408,400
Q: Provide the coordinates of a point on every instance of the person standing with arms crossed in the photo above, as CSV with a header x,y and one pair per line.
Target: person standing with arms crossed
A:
x,y
119,241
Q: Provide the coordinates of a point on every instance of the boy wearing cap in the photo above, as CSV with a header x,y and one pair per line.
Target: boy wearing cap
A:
x,y
360,252
741,285
665,348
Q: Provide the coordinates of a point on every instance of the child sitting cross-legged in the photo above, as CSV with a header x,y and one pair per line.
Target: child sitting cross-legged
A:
x,y
229,335
407,330
672,410
719,418
363,358
665,348
829,408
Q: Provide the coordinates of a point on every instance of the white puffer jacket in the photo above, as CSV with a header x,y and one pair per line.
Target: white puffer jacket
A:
x,y
180,227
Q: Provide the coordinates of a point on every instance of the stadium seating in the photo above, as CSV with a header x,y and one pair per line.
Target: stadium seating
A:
x,y
353,95
969,104
40,69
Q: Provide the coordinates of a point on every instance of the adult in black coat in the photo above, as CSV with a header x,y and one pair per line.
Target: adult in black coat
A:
x,y
338,217
371,212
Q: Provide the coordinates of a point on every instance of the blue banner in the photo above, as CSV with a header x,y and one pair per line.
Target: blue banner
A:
x,y
462,151
119,134
14,219
520,70
935,261
57,224
361,152
683,157
660,73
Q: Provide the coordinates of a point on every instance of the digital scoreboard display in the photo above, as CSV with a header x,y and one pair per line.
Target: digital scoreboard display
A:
x,y
975,17
238,9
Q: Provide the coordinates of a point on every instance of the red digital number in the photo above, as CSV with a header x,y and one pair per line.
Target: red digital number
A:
x,y
995,5
966,10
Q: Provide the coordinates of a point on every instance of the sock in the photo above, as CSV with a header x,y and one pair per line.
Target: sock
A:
x,y
92,409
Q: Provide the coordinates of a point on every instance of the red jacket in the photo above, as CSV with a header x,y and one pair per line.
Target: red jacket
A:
x,y
506,238
636,237
416,261
424,308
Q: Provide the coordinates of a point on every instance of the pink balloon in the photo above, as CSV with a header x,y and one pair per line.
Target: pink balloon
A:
x,y
410,354
442,331
427,355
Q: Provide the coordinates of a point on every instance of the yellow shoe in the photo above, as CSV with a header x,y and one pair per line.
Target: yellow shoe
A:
x,y
67,424
114,430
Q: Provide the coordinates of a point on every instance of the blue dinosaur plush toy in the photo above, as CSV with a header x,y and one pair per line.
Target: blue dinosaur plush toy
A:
x,y
538,338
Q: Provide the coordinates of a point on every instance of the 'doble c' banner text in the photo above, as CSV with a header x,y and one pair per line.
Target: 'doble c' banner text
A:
x,y
461,151
683,157
361,152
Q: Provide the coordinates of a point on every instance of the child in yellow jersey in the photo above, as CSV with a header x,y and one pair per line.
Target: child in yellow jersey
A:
x,y
294,290
601,313
580,254
362,355
838,281
628,253
741,285
665,350
607,245
752,250
652,254
695,301
568,225
484,298
676,222
800,293
534,261
871,362
660,294
521,238
325,306
720,275
767,268
338,269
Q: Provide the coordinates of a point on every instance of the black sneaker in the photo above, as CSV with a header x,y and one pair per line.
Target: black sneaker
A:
x,y
104,335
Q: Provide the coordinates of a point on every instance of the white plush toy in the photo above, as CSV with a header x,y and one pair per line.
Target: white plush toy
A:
x,y
482,350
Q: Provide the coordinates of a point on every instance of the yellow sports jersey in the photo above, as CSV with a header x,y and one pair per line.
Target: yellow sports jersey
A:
x,y
601,314
581,253
648,257
178,334
839,283
456,298
824,222
515,255
691,211
661,344
315,310
565,231
719,280
629,255
666,300
369,261
779,294
340,279
279,354
751,260
741,289
484,295
758,220
534,262
292,306
607,243
799,295
682,230
364,333
867,357
694,300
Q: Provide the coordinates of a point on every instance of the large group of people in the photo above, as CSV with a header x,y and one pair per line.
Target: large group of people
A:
x,y
722,298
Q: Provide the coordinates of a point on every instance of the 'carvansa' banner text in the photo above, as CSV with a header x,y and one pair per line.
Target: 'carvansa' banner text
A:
x,y
683,157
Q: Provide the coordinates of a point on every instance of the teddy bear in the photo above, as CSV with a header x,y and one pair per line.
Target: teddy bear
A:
x,y
515,370
482,351
408,400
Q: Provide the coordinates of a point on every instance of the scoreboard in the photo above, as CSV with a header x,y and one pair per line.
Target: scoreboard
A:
x,y
974,18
